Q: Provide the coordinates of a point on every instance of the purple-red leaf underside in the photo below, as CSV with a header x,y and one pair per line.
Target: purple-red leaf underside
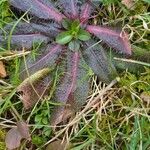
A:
x,y
66,87
48,29
43,9
117,40
73,89
70,8
69,81
86,10
45,60
95,57
23,40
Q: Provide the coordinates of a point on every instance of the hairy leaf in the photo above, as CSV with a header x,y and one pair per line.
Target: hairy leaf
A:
x,y
48,29
73,89
46,59
43,9
117,40
86,10
69,82
96,58
70,8
23,40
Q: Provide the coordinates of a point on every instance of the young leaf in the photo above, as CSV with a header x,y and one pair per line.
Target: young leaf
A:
x,y
66,23
64,38
75,26
74,45
42,9
119,41
83,35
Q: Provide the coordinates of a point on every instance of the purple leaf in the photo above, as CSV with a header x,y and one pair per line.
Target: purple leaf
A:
x,y
86,11
70,8
117,40
73,89
43,9
24,40
66,87
48,29
97,60
47,59
79,96
69,82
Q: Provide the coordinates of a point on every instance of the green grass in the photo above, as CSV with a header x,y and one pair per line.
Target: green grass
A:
x,y
115,118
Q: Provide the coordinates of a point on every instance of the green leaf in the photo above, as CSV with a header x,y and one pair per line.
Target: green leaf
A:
x,y
74,45
75,26
64,38
38,118
83,35
148,1
45,121
66,23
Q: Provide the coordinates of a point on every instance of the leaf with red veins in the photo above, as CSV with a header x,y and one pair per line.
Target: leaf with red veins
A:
x,y
23,40
86,11
47,29
69,82
47,58
43,9
117,40
66,87
70,8
95,57
36,81
73,89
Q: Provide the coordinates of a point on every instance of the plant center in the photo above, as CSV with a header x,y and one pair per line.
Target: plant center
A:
x,y
72,35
